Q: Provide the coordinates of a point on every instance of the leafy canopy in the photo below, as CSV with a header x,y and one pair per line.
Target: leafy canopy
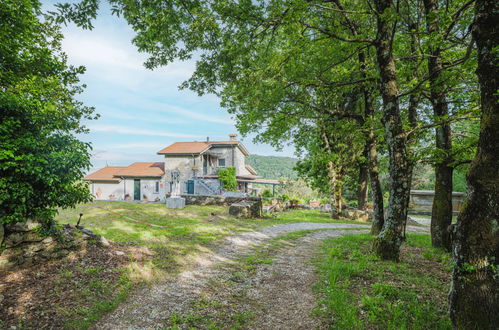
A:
x,y
41,160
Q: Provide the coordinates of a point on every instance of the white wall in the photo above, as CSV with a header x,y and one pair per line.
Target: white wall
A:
x,y
104,190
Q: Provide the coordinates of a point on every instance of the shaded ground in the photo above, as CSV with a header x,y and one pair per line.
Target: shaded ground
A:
x,y
50,295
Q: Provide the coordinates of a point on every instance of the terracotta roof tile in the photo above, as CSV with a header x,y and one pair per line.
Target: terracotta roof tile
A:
x,y
104,174
185,148
140,169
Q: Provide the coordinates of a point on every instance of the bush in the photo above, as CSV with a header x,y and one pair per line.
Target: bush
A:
x,y
267,193
353,203
227,177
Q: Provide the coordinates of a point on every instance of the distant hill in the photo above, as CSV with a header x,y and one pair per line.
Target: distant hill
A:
x,y
272,167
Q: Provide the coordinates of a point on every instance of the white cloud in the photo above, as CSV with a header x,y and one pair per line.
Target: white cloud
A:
x,y
161,107
143,145
107,112
127,130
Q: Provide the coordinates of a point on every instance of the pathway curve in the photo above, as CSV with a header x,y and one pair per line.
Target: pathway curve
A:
x,y
288,281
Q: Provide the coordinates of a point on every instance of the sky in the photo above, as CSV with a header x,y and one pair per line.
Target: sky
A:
x,y
142,111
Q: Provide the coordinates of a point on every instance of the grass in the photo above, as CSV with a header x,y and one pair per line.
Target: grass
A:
x,y
187,231
97,297
360,291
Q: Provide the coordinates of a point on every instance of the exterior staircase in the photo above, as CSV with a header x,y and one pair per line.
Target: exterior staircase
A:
x,y
209,186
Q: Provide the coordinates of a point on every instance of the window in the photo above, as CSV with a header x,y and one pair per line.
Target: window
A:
x,y
221,162
156,187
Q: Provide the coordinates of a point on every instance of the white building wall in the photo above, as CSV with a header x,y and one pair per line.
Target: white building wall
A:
x,y
148,189
124,190
109,190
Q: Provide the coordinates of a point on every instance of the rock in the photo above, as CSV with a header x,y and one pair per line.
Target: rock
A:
x,y
326,208
22,226
88,232
62,253
246,209
357,215
102,241
32,248
119,253
14,239
48,240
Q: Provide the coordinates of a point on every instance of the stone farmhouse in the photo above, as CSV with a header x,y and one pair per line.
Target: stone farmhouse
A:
x,y
197,162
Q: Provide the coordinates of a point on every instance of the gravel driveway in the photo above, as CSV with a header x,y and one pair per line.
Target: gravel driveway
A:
x,y
287,280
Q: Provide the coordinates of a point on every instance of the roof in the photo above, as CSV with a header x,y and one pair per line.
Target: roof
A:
x,y
185,148
189,148
136,170
250,169
104,174
140,169
259,181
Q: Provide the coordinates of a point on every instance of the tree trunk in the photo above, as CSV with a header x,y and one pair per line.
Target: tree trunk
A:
x,y
338,192
474,295
387,244
372,154
362,185
441,214
333,183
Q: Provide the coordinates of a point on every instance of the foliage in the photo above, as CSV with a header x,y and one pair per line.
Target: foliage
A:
x,y
298,189
267,193
388,294
41,160
227,177
273,167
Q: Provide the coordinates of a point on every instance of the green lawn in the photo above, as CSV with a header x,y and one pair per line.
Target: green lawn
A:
x,y
153,252
187,230
359,291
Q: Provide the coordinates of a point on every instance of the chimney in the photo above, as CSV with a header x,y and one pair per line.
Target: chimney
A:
x,y
207,139
232,136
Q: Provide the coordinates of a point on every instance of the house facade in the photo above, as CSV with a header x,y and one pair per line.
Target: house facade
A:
x,y
197,162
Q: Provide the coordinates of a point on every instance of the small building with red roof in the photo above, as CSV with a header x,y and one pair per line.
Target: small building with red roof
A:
x,y
197,163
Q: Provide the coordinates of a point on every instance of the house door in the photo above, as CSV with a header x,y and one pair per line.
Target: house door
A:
x,y
190,187
136,190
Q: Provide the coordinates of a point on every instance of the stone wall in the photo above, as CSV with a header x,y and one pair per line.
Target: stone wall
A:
x,y
215,200
22,245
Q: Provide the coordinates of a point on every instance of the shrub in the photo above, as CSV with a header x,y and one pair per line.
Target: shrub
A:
x,y
227,177
267,193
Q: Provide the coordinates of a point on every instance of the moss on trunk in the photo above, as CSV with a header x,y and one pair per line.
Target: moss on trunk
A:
x,y
474,295
388,242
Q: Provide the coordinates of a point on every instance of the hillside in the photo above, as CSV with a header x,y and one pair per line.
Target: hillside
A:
x,y
272,167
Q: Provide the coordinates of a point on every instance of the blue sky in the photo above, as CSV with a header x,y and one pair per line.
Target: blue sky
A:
x,y
142,111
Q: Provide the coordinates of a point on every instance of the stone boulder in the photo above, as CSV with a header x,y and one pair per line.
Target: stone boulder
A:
x,y
326,208
246,209
356,215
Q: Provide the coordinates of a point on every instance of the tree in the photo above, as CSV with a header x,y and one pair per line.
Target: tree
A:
x,y
476,244
387,244
41,160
